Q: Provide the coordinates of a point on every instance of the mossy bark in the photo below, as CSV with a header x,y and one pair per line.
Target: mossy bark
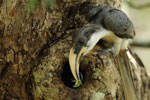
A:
x,y
34,49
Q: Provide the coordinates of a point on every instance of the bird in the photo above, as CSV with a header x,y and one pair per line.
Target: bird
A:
x,y
105,23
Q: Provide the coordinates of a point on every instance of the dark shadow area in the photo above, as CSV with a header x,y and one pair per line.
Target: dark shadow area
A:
x,y
67,76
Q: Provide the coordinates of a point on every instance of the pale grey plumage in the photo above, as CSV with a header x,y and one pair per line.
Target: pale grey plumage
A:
x,y
112,19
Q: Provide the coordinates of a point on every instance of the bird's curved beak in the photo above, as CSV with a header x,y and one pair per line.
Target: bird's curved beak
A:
x,y
74,60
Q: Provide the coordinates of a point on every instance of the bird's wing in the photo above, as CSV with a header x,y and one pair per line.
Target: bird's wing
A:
x,y
95,11
118,22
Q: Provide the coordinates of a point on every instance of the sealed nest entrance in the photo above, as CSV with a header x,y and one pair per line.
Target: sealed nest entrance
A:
x,y
67,76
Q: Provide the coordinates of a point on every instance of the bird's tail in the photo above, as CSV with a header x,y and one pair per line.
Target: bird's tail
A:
x,y
126,76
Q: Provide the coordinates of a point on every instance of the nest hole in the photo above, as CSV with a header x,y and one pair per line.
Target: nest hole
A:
x,y
67,76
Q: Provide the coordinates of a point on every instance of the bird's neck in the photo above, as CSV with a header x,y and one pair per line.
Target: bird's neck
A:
x,y
95,37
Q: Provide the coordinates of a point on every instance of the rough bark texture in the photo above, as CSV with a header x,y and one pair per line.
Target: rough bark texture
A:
x,y
34,49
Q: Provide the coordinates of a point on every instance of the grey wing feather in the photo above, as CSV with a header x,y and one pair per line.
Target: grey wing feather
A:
x,y
118,22
94,11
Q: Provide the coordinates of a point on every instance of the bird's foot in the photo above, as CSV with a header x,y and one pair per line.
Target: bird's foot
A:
x,y
105,51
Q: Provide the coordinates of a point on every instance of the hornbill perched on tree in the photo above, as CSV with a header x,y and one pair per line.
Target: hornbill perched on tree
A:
x,y
105,23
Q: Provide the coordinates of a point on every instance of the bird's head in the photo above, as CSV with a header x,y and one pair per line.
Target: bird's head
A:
x,y
82,42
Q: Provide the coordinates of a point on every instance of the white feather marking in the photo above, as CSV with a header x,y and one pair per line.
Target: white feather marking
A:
x,y
124,44
95,37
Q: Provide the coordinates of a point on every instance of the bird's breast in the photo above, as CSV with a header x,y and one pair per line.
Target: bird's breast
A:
x,y
112,38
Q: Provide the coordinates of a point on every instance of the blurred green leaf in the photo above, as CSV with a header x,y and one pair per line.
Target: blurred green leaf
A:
x,y
32,4
49,4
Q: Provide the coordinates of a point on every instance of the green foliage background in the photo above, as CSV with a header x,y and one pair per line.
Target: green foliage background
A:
x,y
32,4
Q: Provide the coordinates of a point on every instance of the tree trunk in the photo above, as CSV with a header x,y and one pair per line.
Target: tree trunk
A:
x,y
34,56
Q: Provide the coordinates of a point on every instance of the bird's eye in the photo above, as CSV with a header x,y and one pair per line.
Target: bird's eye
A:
x,y
81,42
89,32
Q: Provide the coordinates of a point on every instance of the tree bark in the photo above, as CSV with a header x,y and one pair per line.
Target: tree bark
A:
x,y
34,56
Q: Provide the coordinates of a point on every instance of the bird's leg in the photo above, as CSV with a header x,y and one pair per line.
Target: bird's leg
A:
x,y
114,49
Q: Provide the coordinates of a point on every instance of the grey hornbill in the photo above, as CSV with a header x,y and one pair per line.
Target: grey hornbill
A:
x,y
107,23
